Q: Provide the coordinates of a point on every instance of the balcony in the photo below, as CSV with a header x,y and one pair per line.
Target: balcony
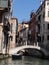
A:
x,y
3,4
46,31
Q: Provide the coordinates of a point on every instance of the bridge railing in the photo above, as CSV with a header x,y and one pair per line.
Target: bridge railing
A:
x,y
26,43
34,44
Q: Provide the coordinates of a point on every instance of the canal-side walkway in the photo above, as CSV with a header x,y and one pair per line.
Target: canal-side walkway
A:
x,y
4,56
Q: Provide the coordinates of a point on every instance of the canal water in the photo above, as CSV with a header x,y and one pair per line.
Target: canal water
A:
x,y
26,60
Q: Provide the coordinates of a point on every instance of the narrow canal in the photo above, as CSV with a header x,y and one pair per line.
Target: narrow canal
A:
x,y
25,61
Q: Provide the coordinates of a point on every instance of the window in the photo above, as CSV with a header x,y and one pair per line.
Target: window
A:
x,y
48,37
43,26
48,26
39,39
44,5
11,27
11,38
43,14
43,38
48,3
48,13
39,28
39,17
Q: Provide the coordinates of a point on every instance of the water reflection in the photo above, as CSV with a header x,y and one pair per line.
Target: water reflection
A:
x,y
24,61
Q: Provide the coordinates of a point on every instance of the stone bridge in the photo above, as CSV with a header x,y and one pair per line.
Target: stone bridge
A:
x,y
17,49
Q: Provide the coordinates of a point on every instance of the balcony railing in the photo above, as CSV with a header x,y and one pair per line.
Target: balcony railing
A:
x,y
3,3
46,31
30,32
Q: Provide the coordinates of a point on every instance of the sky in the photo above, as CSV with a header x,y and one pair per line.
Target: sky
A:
x,y
22,9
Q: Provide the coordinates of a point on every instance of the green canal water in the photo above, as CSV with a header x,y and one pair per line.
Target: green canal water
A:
x,y
26,60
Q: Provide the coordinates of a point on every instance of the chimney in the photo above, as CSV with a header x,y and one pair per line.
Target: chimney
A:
x,y
40,1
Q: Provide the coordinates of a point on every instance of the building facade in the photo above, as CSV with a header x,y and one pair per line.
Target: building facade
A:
x,y
5,14
42,16
32,28
14,32
23,33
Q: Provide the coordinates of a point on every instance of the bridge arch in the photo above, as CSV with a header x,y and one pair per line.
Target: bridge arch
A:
x,y
17,49
36,51
23,49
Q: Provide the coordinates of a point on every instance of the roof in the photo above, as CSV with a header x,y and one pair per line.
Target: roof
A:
x,y
41,5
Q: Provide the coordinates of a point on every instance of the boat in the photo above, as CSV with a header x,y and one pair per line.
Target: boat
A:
x,y
16,56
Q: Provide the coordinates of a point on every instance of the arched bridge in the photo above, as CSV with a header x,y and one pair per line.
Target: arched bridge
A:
x,y
17,49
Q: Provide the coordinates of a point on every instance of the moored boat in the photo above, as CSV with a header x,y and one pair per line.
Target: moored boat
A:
x,y
16,56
